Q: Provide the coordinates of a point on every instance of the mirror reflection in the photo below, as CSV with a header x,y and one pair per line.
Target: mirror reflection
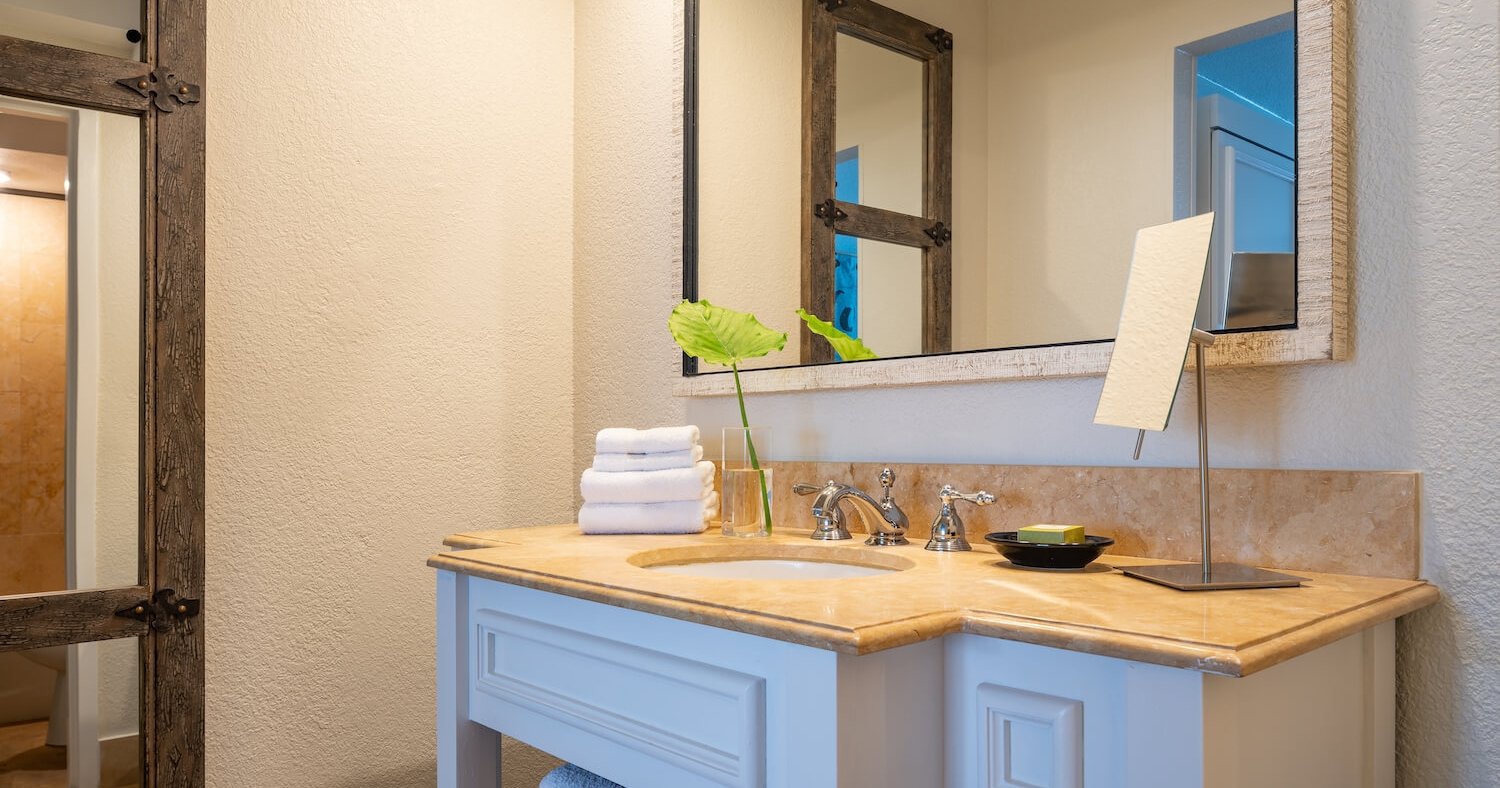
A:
x,y
105,27
69,716
1075,124
878,127
70,320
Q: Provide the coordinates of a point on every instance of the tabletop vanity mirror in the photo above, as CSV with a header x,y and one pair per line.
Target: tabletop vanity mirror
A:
x,y
959,183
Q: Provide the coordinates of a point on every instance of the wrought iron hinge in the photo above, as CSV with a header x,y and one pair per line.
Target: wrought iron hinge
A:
x,y
162,609
939,233
833,5
829,212
164,89
941,39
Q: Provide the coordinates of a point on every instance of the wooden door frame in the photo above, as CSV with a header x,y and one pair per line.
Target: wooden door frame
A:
x,y
824,216
165,90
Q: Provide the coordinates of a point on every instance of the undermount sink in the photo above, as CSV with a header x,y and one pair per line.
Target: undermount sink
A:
x,y
771,562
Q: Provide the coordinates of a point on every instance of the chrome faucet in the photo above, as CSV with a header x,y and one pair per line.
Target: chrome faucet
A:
x,y
948,528
883,520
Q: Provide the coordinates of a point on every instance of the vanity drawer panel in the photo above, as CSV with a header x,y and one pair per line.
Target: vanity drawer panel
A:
x,y
694,717
647,700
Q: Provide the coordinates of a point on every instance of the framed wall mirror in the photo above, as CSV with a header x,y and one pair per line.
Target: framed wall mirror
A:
x,y
1042,136
101,392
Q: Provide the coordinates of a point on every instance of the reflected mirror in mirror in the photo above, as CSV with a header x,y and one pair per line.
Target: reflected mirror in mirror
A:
x,y
70,316
878,127
70,715
877,295
105,27
1075,124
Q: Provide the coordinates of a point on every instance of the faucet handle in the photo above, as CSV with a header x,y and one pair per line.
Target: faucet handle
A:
x,y
948,528
949,495
887,480
803,488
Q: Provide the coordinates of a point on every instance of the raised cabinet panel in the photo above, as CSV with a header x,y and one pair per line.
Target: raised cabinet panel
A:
x,y
701,719
646,700
1025,715
1031,740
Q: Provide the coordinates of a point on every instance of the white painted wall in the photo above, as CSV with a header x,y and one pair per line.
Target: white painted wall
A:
x,y
1419,393
627,229
390,355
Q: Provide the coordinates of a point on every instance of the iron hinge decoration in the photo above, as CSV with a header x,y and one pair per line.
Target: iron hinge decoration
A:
x,y
939,233
829,212
941,39
833,5
161,609
164,89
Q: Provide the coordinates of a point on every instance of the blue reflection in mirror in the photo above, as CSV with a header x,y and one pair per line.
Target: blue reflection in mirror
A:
x,y
1242,120
846,247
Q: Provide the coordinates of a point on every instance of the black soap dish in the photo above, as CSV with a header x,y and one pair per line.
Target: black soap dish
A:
x,y
1035,555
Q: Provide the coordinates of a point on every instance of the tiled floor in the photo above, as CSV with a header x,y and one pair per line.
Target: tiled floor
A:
x,y
27,762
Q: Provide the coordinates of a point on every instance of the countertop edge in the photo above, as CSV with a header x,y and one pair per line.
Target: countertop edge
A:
x,y
1269,653
1216,660
842,640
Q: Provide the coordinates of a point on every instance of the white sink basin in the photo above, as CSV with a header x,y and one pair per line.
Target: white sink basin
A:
x,y
771,562
772,569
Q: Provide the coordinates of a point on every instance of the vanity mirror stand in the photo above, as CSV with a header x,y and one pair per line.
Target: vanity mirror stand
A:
x,y
1205,575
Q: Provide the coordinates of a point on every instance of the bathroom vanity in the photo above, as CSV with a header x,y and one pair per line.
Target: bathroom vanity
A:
x,y
628,657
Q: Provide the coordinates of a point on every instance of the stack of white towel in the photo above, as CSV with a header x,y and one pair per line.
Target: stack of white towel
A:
x,y
648,482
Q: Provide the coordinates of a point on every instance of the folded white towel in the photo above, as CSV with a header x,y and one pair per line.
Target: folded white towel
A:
x,y
675,517
570,776
621,440
677,484
659,461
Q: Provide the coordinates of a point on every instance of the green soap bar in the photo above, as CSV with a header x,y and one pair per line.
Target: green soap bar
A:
x,y
1052,534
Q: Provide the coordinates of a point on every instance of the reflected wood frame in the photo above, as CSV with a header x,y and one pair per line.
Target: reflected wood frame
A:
x,y
1322,332
172,381
823,216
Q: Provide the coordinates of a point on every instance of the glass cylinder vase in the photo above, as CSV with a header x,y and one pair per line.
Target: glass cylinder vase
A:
x,y
745,482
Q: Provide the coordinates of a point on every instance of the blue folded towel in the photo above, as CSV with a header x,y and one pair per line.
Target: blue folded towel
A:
x,y
570,776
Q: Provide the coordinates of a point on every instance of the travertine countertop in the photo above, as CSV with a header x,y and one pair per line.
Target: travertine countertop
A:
x,y
1231,633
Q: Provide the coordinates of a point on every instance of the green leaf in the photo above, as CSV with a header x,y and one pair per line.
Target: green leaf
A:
x,y
848,348
721,336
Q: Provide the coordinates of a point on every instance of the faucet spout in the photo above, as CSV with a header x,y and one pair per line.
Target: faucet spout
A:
x,y
883,520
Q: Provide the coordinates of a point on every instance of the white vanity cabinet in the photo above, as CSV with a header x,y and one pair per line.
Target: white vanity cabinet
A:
x,y
656,702
1023,715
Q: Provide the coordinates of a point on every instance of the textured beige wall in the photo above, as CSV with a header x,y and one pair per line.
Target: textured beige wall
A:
x,y
627,226
390,355
1080,103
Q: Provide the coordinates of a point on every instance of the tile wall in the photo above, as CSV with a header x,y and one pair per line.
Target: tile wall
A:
x,y
33,393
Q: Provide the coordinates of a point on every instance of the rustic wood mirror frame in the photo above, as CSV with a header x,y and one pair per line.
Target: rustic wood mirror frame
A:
x,y
823,216
1322,331
165,90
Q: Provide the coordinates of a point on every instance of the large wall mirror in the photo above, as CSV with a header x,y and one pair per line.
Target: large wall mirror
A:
x,y
101,392
958,183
